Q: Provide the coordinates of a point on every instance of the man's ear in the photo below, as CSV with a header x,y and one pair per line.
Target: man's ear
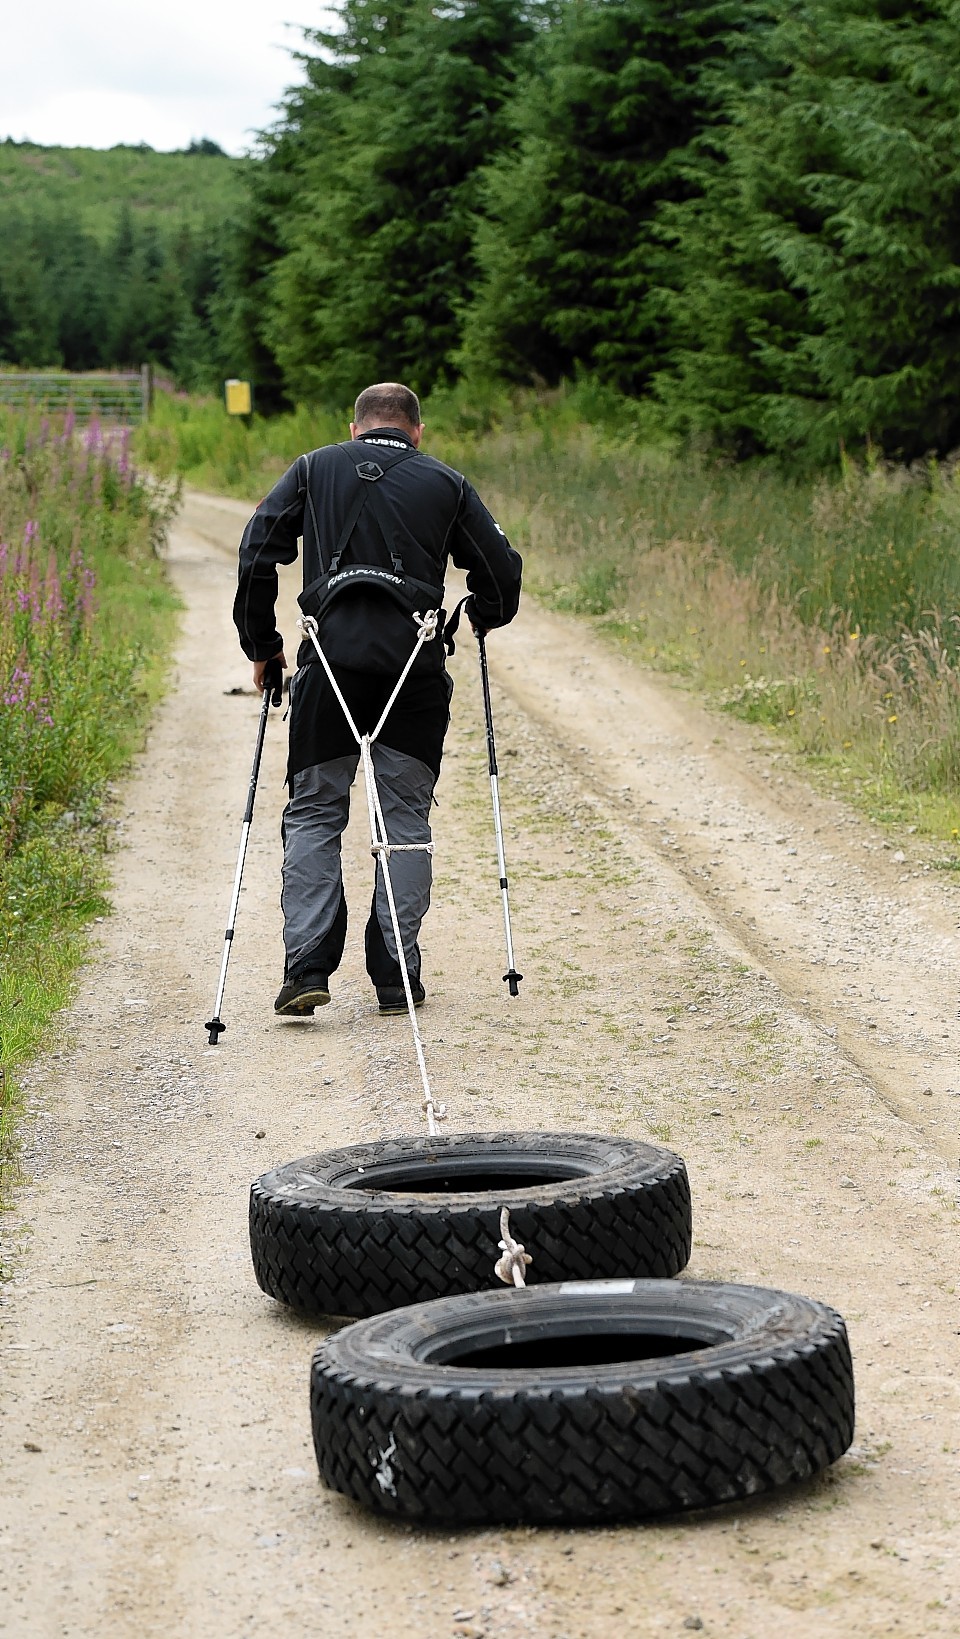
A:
x,y
417,435
354,429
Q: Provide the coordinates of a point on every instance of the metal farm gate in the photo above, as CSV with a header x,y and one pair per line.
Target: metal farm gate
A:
x,y
120,396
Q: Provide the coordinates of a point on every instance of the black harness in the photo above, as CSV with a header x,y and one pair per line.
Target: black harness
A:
x,y
410,595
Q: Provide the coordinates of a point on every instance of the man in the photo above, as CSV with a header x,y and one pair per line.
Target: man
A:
x,y
376,502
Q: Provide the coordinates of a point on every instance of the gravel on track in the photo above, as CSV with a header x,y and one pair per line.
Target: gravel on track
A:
x,y
716,958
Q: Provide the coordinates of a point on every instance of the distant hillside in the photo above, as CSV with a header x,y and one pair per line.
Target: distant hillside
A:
x,y
93,184
117,257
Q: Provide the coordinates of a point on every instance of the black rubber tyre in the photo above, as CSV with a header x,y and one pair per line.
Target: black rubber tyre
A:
x,y
370,1227
575,1403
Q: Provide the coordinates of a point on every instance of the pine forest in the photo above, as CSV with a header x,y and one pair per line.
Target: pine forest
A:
x,y
739,214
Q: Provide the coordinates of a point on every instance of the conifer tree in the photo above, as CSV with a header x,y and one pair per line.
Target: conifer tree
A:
x,y
377,261
68,301
29,295
828,313
270,284
573,258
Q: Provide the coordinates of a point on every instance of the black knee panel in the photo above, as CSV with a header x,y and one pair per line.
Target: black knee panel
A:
x,y
381,966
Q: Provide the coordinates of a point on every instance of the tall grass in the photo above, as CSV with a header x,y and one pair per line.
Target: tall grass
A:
x,y
193,437
824,609
85,618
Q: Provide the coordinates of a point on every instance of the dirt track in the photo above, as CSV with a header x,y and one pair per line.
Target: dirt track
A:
x,y
714,956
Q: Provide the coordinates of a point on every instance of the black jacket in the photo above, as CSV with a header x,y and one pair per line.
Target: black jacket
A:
x,y
428,511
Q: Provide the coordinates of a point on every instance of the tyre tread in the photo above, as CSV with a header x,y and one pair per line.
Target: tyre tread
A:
x,y
332,1252
598,1452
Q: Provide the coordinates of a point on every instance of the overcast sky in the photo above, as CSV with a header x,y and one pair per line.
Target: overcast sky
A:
x,y
91,73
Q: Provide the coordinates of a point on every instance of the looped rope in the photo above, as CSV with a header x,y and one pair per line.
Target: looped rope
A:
x,y
513,1265
386,1474
389,848
427,624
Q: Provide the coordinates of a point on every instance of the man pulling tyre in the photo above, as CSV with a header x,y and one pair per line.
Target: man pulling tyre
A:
x,y
379,521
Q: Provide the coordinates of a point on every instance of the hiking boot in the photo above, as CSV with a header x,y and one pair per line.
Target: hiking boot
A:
x,y
300,996
392,998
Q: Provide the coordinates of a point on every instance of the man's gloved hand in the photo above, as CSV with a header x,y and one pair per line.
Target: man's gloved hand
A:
x,y
276,667
478,629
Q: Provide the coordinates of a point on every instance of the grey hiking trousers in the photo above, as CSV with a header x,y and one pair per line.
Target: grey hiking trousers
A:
x,y
313,902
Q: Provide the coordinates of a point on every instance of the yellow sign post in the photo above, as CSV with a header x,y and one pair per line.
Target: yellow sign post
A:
x,y
238,397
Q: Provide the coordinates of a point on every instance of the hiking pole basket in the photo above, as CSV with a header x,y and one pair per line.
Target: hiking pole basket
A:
x,y
272,695
511,977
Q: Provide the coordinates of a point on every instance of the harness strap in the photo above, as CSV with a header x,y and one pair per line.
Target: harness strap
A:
x,y
453,626
371,472
353,518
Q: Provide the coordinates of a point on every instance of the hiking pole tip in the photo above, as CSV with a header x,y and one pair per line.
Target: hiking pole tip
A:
x,y
216,1029
512,978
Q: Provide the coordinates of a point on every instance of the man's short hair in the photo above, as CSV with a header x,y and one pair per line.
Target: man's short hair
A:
x,y
386,403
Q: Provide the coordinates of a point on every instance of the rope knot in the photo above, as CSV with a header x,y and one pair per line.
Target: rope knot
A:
x,y
513,1265
386,1474
427,624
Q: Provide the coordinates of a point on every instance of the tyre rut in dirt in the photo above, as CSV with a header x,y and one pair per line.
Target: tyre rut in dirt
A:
x,y
370,1227
581,1402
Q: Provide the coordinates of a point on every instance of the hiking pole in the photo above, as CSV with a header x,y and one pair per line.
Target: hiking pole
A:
x,y
272,694
511,977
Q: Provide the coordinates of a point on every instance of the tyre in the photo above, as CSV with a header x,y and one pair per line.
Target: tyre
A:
x,y
373,1226
581,1402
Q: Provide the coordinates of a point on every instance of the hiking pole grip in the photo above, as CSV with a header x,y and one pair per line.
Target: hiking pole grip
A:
x,y
272,695
487,707
273,681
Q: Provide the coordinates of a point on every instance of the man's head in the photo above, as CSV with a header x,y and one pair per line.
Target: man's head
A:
x,y
387,404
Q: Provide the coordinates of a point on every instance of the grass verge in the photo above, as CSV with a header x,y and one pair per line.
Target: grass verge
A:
x,y
87,620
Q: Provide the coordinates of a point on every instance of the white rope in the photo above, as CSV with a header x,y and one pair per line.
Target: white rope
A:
x,y
512,1266
389,848
514,1261
309,625
380,847
426,632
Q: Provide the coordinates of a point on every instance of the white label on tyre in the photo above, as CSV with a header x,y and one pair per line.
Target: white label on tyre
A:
x,y
587,1286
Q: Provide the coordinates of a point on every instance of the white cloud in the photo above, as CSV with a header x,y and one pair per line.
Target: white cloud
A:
x,y
109,72
100,119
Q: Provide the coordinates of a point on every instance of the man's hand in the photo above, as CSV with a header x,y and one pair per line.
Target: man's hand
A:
x,y
477,629
260,667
